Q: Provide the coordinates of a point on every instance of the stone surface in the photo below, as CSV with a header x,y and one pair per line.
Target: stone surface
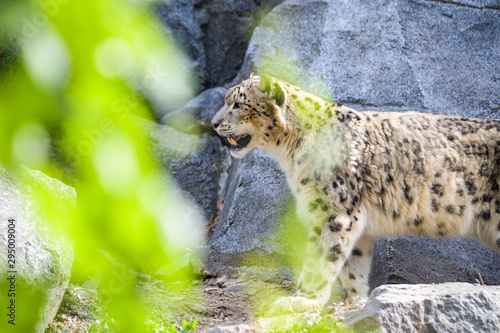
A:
x,y
43,255
255,208
243,328
214,34
200,109
441,56
426,260
203,174
198,163
448,307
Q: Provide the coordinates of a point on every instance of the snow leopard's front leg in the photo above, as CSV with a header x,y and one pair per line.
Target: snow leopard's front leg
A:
x,y
354,275
330,244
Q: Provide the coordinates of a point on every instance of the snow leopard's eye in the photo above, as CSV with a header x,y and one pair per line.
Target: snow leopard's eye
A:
x,y
236,105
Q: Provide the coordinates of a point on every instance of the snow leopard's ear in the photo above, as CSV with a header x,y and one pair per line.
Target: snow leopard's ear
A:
x,y
269,86
253,77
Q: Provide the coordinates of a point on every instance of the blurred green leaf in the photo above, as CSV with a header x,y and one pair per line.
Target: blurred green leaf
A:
x,y
71,74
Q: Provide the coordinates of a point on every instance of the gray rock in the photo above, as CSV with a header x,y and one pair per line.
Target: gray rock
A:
x,y
247,313
266,274
43,254
256,204
386,55
197,260
203,174
198,163
425,260
448,307
236,289
198,309
242,328
214,34
200,109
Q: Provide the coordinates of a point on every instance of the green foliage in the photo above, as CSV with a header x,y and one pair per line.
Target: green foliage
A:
x,y
157,327
325,324
107,325
72,75
73,306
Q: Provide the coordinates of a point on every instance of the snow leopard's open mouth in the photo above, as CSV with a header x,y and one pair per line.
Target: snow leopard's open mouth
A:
x,y
239,142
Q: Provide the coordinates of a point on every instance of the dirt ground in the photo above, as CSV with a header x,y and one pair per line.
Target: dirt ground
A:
x,y
77,312
216,301
212,302
239,300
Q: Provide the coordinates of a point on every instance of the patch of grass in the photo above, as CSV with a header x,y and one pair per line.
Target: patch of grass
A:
x,y
74,305
169,302
107,325
326,324
172,307
307,322
184,328
79,308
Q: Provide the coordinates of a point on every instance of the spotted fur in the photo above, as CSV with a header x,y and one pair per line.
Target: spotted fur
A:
x,y
358,176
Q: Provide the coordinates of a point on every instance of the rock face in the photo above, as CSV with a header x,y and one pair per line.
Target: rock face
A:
x,y
256,202
448,307
426,260
214,34
198,163
200,109
202,174
386,55
43,256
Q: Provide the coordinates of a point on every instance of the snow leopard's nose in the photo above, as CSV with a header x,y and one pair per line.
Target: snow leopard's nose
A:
x,y
216,120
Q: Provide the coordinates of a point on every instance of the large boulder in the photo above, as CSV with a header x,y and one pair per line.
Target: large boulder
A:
x,y
43,253
438,56
197,113
448,307
257,202
427,260
197,162
214,34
